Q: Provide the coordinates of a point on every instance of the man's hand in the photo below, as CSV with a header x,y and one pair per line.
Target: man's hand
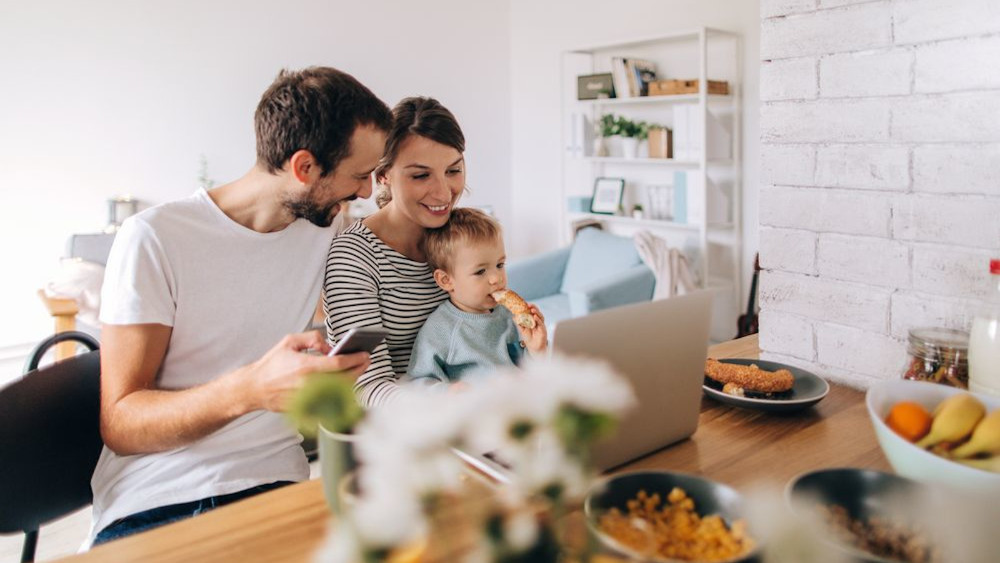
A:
x,y
282,370
137,417
536,340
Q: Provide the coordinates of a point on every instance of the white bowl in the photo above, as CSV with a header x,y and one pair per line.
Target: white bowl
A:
x,y
916,463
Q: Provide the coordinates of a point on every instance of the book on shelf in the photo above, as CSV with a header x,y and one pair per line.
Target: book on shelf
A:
x,y
641,73
619,76
631,77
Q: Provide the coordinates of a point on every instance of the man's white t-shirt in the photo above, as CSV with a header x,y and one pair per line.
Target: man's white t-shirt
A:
x,y
230,294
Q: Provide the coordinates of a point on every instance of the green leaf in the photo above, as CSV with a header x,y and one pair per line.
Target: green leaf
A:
x,y
327,399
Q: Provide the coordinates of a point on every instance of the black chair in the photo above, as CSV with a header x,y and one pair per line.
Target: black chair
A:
x,y
49,439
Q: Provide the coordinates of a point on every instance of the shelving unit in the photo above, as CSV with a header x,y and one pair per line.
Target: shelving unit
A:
x,y
714,247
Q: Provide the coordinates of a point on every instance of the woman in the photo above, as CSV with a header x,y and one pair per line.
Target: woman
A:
x,y
376,273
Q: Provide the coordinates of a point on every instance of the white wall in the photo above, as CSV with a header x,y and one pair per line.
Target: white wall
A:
x,y
880,200
108,97
541,31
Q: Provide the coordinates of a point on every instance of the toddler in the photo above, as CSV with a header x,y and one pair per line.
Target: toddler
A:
x,y
470,331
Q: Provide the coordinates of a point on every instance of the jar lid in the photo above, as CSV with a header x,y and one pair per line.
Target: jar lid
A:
x,y
995,266
934,341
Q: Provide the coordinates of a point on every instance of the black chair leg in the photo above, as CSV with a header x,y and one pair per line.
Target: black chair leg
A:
x,y
30,542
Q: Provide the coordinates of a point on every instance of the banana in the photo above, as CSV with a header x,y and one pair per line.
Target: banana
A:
x,y
985,438
988,464
954,419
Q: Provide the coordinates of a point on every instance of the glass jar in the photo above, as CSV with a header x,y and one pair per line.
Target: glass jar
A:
x,y
938,355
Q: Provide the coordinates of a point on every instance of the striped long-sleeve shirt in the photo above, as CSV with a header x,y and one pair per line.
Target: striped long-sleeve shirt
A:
x,y
368,284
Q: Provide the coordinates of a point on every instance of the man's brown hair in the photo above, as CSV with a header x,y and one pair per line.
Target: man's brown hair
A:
x,y
316,109
465,226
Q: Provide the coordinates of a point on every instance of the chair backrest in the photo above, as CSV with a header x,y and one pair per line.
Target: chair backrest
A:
x,y
595,255
50,441
92,247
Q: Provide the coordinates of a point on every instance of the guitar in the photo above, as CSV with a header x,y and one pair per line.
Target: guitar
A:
x,y
747,323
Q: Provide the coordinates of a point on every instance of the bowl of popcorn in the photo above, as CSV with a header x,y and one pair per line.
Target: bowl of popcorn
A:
x,y
668,517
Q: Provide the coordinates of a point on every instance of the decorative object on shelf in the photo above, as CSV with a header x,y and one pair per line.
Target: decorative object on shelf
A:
x,y
660,142
120,208
660,201
578,204
628,134
674,87
594,87
689,133
607,195
637,211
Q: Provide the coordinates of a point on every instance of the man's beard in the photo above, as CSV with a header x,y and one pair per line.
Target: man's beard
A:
x,y
307,208
310,211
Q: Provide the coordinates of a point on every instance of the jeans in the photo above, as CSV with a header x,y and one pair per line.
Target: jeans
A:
x,y
156,517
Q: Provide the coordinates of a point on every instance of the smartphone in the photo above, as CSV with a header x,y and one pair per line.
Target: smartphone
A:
x,y
359,340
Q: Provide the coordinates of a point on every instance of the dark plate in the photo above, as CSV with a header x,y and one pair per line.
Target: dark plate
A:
x,y
807,390
863,493
709,497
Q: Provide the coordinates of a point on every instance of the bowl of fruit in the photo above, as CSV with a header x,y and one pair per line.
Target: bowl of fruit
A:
x,y
935,433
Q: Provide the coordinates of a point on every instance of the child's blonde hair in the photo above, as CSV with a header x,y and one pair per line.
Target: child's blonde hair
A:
x,y
465,225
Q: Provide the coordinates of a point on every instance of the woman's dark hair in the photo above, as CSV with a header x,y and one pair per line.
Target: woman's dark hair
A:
x,y
316,109
416,116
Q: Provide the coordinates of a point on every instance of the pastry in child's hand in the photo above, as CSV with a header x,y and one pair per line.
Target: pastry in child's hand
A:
x,y
517,306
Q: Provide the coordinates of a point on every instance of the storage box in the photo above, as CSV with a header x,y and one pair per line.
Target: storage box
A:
x,y
578,204
661,143
594,86
674,87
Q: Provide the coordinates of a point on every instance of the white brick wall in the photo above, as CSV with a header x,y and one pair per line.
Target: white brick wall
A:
x,y
788,250
789,79
854,28
869,260
872,167
957,169
882,73
826,210
880,176
792,165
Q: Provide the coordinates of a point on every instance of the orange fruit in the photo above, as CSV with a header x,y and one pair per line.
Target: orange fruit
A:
x,y
910,420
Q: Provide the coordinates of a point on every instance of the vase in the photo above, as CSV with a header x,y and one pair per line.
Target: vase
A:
x,y
630,147
336,460
600,147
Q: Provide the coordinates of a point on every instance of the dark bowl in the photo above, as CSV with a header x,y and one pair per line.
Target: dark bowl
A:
x,y
863,493
709,497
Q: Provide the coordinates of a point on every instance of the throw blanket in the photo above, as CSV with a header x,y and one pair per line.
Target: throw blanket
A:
x,y
670,266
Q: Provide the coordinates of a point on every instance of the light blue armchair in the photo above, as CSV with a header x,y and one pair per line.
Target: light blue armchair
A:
x,y
598,271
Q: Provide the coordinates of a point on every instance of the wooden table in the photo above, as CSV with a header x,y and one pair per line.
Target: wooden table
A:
x,y
735,446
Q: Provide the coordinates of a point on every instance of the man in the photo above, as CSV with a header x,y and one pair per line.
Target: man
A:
x,y
202,305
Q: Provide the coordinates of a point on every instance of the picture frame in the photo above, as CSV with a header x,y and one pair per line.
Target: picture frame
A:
x,y
595,87
607,195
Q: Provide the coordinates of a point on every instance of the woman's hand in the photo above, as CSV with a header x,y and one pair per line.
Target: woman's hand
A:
x,y
283,369
536,340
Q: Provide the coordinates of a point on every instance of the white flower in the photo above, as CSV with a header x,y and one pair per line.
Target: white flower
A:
x,y
587,384
341,546
520,528
382,520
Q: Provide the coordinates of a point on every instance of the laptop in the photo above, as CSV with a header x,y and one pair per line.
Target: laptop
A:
x,y
660,347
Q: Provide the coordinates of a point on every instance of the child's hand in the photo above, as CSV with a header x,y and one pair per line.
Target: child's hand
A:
x,y
536,340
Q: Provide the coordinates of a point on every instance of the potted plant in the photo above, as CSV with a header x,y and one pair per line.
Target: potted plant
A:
x,y
327,409
604,128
